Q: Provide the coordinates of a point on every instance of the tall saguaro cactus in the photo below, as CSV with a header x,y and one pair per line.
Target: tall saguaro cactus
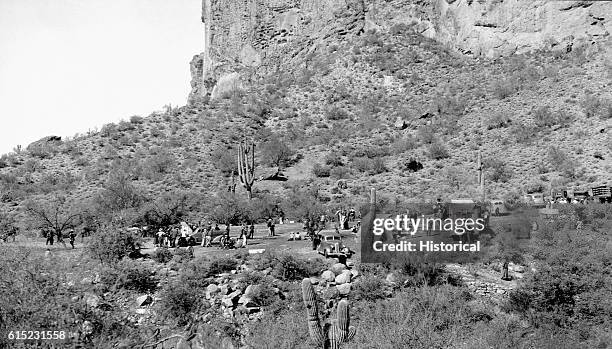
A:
x,y
481,179
330,335
246,165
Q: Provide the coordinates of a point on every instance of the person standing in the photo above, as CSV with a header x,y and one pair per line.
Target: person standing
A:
x,y
251,231
49,236
72,237
173,237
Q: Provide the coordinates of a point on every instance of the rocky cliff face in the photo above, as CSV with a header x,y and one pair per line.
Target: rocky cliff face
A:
x,y
246,38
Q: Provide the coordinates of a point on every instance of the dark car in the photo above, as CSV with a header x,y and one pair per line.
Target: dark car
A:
x,y
331,245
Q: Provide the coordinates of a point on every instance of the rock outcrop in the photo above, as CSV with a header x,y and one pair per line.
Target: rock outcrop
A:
x,y
494,28
244,38
249,38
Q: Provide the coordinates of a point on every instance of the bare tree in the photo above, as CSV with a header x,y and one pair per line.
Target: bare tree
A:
x,y
54,214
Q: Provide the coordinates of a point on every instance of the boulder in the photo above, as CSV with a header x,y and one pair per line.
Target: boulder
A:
x,y
211,291
227,302
328,276
314,280
338,268
400,124
144,300
251,290
391,279
344,289
343,278
92,300
354,273
245,299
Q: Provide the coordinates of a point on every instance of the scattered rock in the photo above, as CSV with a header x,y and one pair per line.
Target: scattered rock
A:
x,y
144,300
344,289
328,276
343,278
338,268
391,279
400,124
92,300
86,281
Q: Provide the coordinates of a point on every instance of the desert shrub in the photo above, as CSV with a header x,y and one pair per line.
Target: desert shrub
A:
x,y
108,130
505,87
402,145
369,288
130,275
411,165
595,106
41,151
378,165
340,172
110,244
543,117
135,119
333,159
276,152
426,135
264,294
320,170
222,265
336,113
162,255
288,267
523,133
556,156
498,120
125,126
182,255
499,171
224,160
82,161
362,164
158,164
385,319
182,302
437,151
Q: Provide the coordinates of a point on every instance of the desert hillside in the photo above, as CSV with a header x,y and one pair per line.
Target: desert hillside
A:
x,y
298,109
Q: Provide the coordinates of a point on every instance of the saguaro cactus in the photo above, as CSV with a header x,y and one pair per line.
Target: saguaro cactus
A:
x,y
246,165
481,178
332,334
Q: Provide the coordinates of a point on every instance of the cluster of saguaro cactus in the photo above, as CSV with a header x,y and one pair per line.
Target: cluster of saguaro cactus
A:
x,y
246,165
329,335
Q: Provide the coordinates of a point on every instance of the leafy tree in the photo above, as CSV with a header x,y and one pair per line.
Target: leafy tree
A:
x,y
276,152
168,209
223,159
229,208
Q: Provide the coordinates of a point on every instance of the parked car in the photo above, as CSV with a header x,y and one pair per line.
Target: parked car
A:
x,y
331,245
196,238
535,199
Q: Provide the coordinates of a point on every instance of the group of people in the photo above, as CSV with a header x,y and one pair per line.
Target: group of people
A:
x,y
50,234
170,237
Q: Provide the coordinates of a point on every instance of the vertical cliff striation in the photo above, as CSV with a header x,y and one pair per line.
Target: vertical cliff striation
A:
x,y
247,38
